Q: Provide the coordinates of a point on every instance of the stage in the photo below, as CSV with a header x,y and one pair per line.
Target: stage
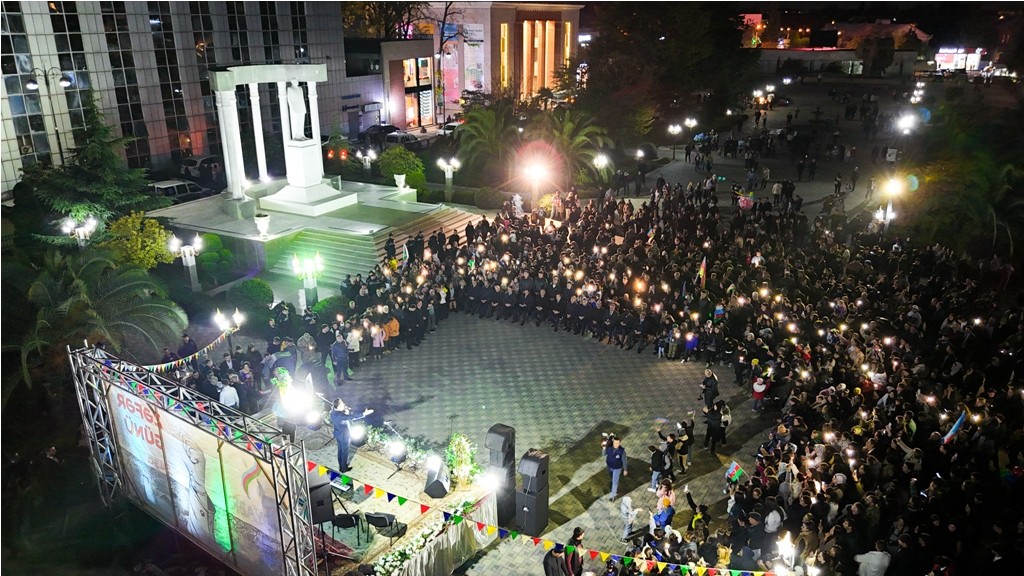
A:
x,y
376,487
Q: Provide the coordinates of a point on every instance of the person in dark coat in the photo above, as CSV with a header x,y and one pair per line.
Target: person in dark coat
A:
x,y
341,419
554,562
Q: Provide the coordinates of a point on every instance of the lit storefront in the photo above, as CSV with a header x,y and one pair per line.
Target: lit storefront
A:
x,y
418,79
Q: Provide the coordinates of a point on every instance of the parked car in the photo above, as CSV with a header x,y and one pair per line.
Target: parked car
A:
x,y
374,135
450,128
197,165
407,139
781,100
180,191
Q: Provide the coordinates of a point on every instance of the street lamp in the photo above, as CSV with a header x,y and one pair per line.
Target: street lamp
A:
x,y
79,231
449,166
367,158
229,325
906,123
893,187
535,172
188,253
64,81
308,269
600,163
674,130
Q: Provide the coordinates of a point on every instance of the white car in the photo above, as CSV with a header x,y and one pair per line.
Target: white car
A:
x,y
407,139
449,128
192,167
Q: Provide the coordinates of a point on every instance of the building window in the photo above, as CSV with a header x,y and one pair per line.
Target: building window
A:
x,y
179,140
299,37
505,67
26,105
271,38
126,86
67,32
237,32
206,55
567,44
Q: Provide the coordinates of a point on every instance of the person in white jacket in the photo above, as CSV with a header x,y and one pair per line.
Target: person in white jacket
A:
x,y
873,563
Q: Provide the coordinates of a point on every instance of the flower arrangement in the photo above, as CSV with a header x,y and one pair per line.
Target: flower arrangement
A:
x,y
460,456
281,379
395,560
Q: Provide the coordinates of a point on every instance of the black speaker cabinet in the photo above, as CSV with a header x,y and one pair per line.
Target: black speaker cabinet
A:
x,y
534,468
438,482
501,442
532,511
321,505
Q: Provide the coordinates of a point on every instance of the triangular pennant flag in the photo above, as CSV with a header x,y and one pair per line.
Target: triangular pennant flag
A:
x,y
424,508
390,496
593,554
548,544
701,570
513,534
569,548
661,566
377,492
456,519
200,407
321,470
259,445
447,516
536,540
650,565
333,475
345,479
604,556
502,533
248,445
479,526
616,558
367,489
310,466
712,571
491,529
684,570
238,434
402,500
158,396
626,560
735,573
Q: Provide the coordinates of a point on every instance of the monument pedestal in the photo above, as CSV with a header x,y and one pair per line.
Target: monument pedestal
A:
x,y
306,193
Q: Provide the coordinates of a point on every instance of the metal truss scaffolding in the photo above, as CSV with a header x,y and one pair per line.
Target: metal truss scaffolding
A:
x,y
96,371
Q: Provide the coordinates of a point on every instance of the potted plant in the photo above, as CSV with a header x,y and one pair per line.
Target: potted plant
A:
x,y
262,220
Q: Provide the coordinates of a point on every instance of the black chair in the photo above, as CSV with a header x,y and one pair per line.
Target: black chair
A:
x,y
349,521
386,525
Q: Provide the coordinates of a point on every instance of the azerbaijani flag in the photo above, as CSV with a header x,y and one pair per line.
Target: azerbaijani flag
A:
x,y
734,472
702,273
956,428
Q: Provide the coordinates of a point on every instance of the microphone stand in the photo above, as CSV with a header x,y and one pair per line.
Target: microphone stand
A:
x,y
398,466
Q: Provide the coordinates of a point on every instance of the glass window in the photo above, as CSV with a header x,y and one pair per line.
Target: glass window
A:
x,y
409,72
21,125
423,64
13,85
32,104
20,43
17,102
41,143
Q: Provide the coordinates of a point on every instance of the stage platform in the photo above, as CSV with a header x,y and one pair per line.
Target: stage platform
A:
x,y
349,549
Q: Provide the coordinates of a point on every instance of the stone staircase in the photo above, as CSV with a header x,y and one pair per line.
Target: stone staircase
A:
x,y
348,253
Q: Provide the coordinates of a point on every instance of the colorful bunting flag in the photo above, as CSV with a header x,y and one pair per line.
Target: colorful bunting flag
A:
x,y
548,544
661,566
479,526
367,489
377,492
502,533
593,554
401,500
604,556
390,496
626,561
424,508
491,529
332,475
513,534
569,548
536,540
310,465
456,519
345,479
447,516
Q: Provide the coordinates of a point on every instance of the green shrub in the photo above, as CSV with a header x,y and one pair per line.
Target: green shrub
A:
x,y
251,294
429,196
208,258
489,199
211,243
327,310
467,197
398,160
544,202
416,180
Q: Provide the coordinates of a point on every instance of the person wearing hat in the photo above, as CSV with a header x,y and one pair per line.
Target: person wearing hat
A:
x,y
554,562
615,458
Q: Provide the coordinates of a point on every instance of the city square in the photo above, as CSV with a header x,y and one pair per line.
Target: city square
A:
x,y
469,288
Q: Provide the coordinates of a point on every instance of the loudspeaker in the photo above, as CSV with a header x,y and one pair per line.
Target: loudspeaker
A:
x,y
534,468
532,512
505,494
321,505
501,442
438,482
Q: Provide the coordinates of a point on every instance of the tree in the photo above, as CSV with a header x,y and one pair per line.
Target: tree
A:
x,y
382,20
576,138
398,160
487,135
139,241
87,296
95,181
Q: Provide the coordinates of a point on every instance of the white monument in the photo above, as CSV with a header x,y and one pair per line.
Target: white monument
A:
x,y
307,193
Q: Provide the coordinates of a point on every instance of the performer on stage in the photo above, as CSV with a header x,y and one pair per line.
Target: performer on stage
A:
x,y
341,418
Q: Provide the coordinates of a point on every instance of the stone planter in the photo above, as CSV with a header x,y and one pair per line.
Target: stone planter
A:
x,y
262,223
400,181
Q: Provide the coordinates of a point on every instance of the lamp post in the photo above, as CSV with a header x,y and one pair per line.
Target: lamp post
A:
x,y
535,172
449,165
601,162
64,82
188,252
80,231
894,187
308,269
229,325
690,123
366,159
674,130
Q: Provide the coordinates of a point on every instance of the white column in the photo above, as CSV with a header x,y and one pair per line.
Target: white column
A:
x,y
314,119
224,135
233,142
257,126
282,102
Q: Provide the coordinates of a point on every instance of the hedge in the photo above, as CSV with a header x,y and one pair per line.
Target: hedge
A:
x,y
252,294
327,310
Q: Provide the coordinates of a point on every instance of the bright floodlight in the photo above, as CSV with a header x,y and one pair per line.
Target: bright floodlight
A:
x,y
295,401
69,226
600,161
770,88
238,318
675,129
357,433
690,122
639,153
314,417
433,463
906,123
894,187
221,321
536,171
489,481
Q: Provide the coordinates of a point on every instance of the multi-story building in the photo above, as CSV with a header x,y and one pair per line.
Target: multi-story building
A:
x,y
147,66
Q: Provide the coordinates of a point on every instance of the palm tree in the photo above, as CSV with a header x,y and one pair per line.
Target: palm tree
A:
x,y
87,296
576,138
485,138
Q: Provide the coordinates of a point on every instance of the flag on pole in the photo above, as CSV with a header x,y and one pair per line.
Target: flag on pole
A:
x,y
702,273
956,428
405,252
734,472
